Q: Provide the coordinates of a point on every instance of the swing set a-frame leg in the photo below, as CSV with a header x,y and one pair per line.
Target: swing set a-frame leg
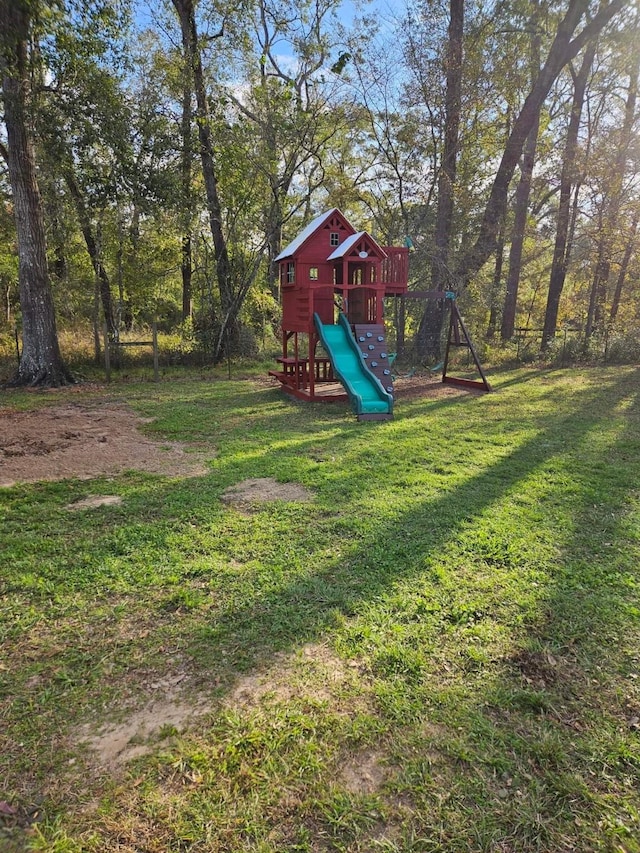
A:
x,y
458,336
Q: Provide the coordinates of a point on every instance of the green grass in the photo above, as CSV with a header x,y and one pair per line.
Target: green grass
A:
x,y
446,639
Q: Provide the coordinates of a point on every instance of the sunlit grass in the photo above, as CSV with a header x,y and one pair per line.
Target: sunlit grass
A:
x,y
440,647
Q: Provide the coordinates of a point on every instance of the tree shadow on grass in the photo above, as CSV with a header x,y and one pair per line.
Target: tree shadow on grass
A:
x,y
401,547
559,717
536,714
512,706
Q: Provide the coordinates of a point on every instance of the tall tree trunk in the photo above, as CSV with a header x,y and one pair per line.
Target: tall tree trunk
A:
x,y
595,319
495,288
92,249
128,246
429,334
448,168
59,268
6,296
186,265
40,362
274,244
568,176
120,309
186,269
523,191
97,350
228,302
521,209
602,264
624,266
562,51
429,331
279,185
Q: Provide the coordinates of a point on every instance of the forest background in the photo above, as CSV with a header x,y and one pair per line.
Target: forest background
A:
x,y
155,159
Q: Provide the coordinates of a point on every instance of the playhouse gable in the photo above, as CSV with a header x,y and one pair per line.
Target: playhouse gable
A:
x,y
320,238
359,245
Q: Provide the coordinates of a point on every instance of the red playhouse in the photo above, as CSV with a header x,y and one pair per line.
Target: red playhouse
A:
x,y
333,281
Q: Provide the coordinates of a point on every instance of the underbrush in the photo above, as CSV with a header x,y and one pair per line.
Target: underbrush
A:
x,y
178,356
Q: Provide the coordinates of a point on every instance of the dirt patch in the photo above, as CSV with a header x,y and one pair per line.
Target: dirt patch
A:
x,y
364,773
418,386
537,669
114,745
265,489
93,501
314,672
83,442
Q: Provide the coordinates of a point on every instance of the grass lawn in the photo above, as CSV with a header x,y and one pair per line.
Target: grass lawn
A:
x,y
439,651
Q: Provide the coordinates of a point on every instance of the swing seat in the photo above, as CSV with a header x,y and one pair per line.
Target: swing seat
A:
x,y
392,357
408,375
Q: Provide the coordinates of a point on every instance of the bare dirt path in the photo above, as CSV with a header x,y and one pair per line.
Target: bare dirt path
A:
x,y
85,441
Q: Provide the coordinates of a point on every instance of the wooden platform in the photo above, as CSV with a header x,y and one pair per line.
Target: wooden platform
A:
x,y
324,392
295,376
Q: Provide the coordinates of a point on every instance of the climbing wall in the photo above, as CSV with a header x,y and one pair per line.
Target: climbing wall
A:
x,y
371,340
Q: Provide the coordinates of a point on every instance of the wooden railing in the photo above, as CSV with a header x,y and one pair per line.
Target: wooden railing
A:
x,y
395,270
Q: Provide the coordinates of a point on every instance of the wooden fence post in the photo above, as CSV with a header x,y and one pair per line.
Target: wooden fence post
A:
x,y
156,375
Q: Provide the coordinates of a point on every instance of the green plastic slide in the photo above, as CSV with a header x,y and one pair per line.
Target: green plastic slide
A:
x,y
365,390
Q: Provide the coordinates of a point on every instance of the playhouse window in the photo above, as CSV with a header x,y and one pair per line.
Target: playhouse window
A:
x,y
334,239
313,273
291,272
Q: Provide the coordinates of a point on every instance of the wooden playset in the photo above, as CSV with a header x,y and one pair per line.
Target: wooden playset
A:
x,y
333,282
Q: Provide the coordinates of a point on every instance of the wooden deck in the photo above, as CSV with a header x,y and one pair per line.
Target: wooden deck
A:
x,y
324,392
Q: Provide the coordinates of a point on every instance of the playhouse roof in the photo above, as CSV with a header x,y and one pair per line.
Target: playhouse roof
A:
x,y
348,244
304,235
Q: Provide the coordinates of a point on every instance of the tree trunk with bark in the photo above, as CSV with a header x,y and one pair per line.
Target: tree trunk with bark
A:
x,y
40,362
563,49
186,264
92,249
601,263
228,302
611,215
523,191
428,338
521,210
492,325
624,267
448,169
568,177
430,330
273,230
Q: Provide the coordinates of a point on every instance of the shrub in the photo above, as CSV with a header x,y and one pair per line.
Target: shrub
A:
x,y
623,348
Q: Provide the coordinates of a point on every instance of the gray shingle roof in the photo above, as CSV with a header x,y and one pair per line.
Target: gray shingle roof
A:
x,y
295,244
